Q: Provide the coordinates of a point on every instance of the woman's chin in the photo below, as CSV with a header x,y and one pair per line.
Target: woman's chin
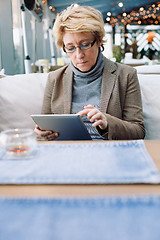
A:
x,y
83,68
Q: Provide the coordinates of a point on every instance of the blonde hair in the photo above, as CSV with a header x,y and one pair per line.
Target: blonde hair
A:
x,y
78,18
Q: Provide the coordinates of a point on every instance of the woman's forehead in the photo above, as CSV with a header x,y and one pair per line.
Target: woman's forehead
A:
x,y
70,37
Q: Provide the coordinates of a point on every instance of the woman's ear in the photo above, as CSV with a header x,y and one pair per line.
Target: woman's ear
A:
x,y
99,43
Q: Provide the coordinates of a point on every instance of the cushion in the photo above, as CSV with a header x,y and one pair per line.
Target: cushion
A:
x,y
20,96
150,88
148,69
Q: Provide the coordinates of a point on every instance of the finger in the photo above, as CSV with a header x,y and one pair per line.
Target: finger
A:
x,y
37,127
89,106
91,113
96,116
52,136
98,123
83,112
46,133
37,131
102,124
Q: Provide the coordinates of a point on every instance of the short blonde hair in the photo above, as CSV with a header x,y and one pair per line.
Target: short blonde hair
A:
x,y
78,18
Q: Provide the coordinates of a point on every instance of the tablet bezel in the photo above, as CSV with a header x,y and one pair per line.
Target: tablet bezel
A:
x,y
69,126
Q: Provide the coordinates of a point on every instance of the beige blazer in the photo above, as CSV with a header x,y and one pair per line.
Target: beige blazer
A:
x,y
120,99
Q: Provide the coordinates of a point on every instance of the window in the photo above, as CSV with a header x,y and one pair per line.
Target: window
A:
x,y
17,36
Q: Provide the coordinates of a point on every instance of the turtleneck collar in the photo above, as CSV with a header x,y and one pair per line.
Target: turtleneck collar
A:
x,y
91,75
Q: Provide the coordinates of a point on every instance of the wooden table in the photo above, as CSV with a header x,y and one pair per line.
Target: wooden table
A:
x,y
153,147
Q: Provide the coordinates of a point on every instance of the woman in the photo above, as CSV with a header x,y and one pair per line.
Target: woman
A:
x,y
104,93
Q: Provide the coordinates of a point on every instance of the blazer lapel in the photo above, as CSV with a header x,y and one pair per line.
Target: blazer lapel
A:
x,y
67,85
108,81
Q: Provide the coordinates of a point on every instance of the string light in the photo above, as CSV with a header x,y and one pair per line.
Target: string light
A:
x,y
150,14
120,4
141,9
52,8
44,2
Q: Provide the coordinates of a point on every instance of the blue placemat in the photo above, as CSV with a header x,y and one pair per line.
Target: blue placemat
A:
x,y
82,163
112,218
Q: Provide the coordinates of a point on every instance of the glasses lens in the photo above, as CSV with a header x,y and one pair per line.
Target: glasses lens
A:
x,y
69,49
85,46
82,47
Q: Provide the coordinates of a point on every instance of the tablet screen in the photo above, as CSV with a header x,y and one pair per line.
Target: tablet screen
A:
x,y
69,126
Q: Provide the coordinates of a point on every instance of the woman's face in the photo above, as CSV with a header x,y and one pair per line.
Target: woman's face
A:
x,y
84,60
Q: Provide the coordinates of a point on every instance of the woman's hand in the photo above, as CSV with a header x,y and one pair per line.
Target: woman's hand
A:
x,y
45,134
95,116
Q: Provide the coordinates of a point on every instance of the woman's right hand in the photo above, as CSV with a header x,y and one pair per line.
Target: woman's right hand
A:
x,y
45,134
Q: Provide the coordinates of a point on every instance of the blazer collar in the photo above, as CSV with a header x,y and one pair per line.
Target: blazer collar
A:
x,y
67,83
108,82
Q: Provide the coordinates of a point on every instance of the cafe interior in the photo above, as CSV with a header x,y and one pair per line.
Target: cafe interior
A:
x,y
76,188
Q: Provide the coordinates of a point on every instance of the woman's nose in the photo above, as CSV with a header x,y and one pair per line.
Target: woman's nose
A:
x,y
79,52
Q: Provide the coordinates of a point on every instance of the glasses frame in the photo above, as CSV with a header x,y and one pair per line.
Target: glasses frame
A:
x,y
81,47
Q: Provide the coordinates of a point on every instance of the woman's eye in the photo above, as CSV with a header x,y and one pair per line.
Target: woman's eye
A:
x,y
71,48
85,45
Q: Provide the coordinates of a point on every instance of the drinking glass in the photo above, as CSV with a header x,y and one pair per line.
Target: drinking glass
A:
x,y
18,142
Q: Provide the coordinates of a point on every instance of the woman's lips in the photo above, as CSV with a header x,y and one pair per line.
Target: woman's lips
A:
x,y
81,63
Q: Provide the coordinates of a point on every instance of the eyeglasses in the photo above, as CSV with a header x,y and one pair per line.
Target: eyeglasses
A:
x,y
85,46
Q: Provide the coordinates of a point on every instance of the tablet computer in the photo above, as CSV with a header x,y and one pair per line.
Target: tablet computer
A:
x,y
69,126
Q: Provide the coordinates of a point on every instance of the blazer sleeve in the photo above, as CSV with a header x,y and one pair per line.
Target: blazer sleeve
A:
x,y
46,106
124,114
54,92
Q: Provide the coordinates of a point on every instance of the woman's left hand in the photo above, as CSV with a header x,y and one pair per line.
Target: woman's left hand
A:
x,y
95,116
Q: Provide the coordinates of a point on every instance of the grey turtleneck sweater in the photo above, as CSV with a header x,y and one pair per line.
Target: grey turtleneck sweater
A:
x,y
87,90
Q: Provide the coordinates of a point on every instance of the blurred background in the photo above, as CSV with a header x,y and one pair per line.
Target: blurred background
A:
x,y
27,44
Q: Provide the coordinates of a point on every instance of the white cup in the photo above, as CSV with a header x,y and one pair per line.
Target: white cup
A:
x,y
18,142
